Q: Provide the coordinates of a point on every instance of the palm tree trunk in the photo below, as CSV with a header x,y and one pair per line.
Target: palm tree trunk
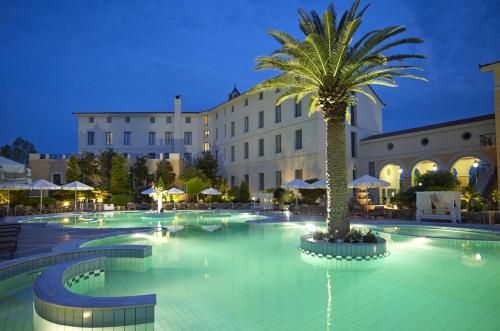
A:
x,y
336,168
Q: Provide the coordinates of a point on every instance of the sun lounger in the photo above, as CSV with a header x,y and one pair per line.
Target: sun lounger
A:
x,y
9,247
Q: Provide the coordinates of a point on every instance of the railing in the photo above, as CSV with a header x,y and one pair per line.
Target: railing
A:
x,y
487,140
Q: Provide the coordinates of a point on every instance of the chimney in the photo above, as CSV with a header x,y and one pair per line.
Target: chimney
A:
x,y
178,105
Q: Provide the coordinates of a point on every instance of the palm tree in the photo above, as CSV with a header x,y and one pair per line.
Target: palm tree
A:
x,y
329,67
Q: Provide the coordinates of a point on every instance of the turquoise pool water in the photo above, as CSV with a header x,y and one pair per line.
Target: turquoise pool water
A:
x,y
143,219
253,277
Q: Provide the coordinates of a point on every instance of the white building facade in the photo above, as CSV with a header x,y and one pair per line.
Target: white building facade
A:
x,y
253,139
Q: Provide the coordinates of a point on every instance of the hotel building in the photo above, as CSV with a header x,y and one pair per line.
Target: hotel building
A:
x,y
267,145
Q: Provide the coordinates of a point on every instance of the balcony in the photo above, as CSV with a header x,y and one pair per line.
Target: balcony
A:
x,y
487,140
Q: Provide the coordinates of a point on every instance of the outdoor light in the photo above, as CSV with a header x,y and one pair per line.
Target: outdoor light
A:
x,y
475,164
419,184
66,204
87,314
400,170
434,167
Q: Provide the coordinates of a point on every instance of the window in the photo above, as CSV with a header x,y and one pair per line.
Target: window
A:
x,y
277,143
57,179
225,130
261,119
278,90
188,157
127,119
169,138
126,138
261,95
188,120
91,119
108,119
152,138
232,110
206,146
298,173
206,134
233,181
354,142
354,115
424,141
298,109
217,154
232,129
354,173
261,147
277,114
205,120
152,120
216,133
278,179
216,116
298,139
371,168
246,102
151,156
261,181
232,153
188,138
90,138
169,119
246,124
246,178
109,138
245,151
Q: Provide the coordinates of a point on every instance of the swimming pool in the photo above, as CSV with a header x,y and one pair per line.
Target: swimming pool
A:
x,y
253,277
145,219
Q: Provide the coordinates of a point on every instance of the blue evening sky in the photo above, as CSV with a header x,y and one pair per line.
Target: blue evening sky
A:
x,y
59,57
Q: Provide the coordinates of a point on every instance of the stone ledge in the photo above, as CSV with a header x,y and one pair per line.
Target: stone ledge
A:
x,y
54,303
346,251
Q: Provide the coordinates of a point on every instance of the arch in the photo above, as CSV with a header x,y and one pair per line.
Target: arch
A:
x,y
423,165
461,155
471,167
392,173
397,162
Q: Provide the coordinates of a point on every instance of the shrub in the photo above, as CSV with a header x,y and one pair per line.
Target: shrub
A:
x,y
370,237
318,235
120,199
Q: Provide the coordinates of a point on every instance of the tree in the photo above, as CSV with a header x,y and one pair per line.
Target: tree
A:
x,y
191,172
329,66
139,173
208,165
244,192
105,162
88,166
72,170
18,151
165,172
194,186
119,183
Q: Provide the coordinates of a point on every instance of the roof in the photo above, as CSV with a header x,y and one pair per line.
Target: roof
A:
x,y
132,113
484,66
432,126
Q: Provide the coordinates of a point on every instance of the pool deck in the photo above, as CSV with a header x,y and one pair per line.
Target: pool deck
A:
x,y
36,238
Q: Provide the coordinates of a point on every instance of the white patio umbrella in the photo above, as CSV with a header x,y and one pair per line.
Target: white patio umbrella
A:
x,y
43,185
210,192
13,187
295,185
149,191
319,184
175,191
365,182
76,186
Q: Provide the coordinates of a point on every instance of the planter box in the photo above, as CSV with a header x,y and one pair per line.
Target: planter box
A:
x,y
343,250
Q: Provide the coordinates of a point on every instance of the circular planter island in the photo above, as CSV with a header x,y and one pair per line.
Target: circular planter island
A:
x,y
349,251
